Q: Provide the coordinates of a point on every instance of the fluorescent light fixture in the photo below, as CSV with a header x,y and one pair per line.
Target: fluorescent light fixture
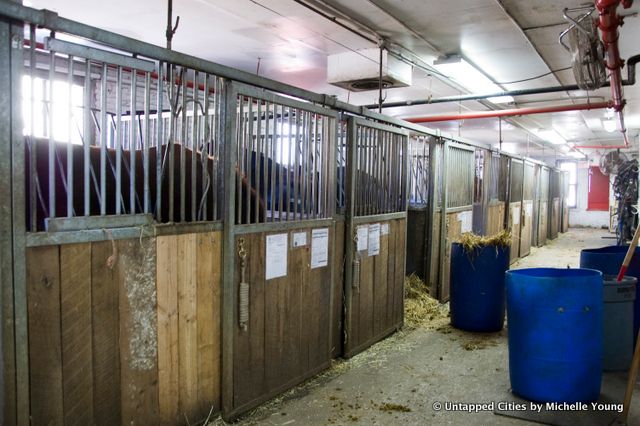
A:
x,y
609,125
576,154
551,136
465,74
564,148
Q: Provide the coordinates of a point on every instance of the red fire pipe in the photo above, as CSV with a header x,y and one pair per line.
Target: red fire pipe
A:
x,y
511,112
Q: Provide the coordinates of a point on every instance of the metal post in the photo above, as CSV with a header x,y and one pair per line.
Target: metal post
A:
x,y
443,215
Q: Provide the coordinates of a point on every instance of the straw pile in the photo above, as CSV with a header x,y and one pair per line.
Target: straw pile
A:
x,y
420,309
471,241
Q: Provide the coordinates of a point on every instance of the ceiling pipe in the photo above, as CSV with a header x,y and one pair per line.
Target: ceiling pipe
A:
x,y
511,112
630,81
608,22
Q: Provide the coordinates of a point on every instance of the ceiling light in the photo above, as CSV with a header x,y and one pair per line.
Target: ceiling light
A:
x,y
551,136
564,148
609,125
470,77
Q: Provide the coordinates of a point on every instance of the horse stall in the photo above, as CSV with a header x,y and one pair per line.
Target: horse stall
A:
x,y
554,206
543,206
459,173
480,188
516,178
123,258
376,222
528,195
498,169
564,225
419,215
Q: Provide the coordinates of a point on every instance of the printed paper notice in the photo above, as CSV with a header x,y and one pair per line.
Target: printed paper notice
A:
x,y
299,239
528,209
374,239
516,215
319,247
384,229
362,234
466,221
276,256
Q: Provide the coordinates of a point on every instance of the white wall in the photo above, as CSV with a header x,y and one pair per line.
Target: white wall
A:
x,y
579,216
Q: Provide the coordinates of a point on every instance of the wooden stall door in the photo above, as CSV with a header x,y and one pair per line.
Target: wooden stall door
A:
x,y
455,223
287,336
543,223
495,218
526,230
515,219
376,230
555,218
280,256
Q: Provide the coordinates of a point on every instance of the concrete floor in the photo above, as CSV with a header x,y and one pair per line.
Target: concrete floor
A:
x,y
417,369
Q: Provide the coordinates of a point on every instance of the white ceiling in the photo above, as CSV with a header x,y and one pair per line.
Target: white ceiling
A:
x,y
508,39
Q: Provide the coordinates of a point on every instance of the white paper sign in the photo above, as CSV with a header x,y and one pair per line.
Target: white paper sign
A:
x,y
299,239
319,247
516,215
362,234
374,239
466,221
528,208
384,229
276,256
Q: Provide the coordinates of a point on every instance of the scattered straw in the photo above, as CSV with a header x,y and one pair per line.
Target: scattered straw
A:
x,y
471,241
420,309
389,407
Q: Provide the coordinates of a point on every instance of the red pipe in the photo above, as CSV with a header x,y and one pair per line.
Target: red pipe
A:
x,y
510,112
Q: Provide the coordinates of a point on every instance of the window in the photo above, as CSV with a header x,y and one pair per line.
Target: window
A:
x,y
64,115
572,184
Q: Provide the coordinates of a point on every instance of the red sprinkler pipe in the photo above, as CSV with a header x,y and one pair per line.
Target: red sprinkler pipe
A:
x,y
511,112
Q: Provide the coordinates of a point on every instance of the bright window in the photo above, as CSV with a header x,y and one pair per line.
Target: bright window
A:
x,y
65,118
572,185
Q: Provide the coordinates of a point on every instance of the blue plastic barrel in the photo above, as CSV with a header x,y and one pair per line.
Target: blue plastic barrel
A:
x,y
555,333
477,296
608,261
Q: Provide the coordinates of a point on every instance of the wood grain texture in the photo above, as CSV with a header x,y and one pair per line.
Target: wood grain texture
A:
x,y
75,306
138,330
381,286
514,227
208,265
167,293
543,223
105,339
527,228
45,346
337,319
434,260
400,262
249,380
495,218
188,331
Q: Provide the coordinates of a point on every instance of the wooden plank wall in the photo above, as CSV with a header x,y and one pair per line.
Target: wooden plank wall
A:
x,y
514,227
377,308
543,214
565,217
337,315
289,330
454,232
526,227
495,218
113,323
434,260
555,218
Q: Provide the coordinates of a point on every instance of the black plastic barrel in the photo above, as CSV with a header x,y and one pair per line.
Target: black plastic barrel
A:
x,y
555,333
477,298
608,260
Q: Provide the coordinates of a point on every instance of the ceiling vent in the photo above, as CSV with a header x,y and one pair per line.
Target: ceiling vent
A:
x,y
359,71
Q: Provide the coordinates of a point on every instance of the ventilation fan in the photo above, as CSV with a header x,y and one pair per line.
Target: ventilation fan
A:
x,y
610,162
586,49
